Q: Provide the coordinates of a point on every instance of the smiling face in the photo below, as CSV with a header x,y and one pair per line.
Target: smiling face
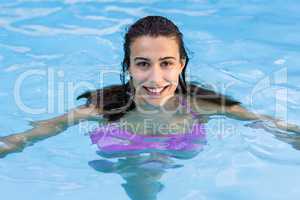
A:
x,y
155,66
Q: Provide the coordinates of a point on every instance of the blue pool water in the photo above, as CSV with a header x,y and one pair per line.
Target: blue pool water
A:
x,y
51,51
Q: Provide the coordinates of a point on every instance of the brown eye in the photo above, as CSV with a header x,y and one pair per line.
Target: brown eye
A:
x,y
166,64
142,64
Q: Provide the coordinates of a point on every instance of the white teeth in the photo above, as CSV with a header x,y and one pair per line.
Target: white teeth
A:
x,y
155,90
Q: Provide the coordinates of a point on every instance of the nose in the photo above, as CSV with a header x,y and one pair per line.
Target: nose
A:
x,y
156,75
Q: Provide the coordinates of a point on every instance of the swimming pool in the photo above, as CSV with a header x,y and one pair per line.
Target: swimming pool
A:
x,y
52,51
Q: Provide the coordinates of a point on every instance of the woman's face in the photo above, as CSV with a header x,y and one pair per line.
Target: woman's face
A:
x,y
155,66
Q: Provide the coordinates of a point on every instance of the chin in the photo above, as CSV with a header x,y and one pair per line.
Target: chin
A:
x,y
157,101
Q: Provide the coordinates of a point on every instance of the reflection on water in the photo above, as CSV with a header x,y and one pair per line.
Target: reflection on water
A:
x,y
141,172
234,49
285,136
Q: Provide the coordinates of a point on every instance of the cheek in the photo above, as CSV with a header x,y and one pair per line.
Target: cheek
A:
x,y
173,76
136,75
138,78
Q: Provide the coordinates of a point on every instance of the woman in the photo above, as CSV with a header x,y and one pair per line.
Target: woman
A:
x,y
155,60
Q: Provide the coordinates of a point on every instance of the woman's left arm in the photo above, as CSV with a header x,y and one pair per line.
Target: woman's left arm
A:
x,y
239,112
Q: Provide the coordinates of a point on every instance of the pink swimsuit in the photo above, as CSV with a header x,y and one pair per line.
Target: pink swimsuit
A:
x,y
113,141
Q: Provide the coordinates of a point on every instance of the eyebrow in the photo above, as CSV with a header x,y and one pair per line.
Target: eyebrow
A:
x,y
141,58
147,59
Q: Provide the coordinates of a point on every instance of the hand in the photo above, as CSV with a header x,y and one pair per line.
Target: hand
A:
x,y
288,127
11,143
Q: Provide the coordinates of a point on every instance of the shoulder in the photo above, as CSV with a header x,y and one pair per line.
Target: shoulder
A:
x,y
205,95
203,100
111,101
103,95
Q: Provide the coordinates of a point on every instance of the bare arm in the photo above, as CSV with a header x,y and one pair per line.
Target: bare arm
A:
x,y
237,111
241,113
275,126
46,128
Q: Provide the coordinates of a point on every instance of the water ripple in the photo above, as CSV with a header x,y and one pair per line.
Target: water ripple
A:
x,y
40,30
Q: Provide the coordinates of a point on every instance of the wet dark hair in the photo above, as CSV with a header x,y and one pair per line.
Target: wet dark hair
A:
x,y
116,100
154,26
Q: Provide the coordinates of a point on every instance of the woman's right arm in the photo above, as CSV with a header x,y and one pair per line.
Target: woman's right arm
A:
x,y
47,128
